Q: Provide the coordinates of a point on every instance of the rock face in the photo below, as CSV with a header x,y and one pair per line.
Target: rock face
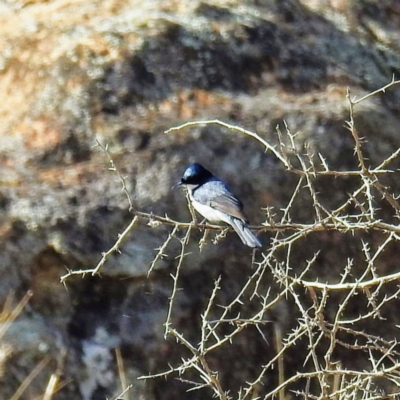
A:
x,y
72,72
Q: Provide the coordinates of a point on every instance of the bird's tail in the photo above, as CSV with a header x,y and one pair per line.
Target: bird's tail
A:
x,y
245,234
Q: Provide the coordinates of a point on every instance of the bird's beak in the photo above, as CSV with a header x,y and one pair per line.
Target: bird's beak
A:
x,y
175,186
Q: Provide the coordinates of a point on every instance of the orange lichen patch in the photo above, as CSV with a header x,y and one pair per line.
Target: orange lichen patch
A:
x,y
210,99
14,181
266,197
332,98
96,44
38,134
337,5
340,5
188,104
185,108
16,102
34,35
5,229
67,176
59,15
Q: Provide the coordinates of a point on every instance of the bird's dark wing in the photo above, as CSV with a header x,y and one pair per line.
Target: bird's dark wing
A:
x,y
217,195
229,204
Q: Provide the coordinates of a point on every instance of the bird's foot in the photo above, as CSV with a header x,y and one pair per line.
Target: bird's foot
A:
x,y
200,226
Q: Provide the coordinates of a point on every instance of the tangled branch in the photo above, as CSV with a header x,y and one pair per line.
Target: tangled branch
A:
x,y
324,324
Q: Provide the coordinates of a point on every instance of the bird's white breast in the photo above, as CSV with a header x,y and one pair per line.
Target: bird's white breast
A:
x,y
209,213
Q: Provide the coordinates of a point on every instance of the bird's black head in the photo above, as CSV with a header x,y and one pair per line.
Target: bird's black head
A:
x,y
195,174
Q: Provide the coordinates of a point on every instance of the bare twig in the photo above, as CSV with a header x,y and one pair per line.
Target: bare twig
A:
x,y
113,168
322,323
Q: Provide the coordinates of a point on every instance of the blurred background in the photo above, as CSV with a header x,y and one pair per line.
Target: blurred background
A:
x,y
122,72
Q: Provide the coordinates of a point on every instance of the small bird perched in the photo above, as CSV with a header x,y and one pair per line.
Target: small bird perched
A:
x,y
212,199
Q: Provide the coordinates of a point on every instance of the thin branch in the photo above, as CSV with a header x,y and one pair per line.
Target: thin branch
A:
x,y
374,93
113,168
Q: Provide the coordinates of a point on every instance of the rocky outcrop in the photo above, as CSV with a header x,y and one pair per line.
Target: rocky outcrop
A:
x,y
72,72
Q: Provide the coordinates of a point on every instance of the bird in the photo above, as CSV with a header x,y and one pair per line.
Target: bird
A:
x,y
212,198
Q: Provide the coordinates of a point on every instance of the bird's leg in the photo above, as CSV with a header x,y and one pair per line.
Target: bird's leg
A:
x,y
200,225
193,213
191,209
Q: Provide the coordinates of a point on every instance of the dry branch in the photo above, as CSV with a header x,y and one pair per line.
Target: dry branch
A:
x,y
321,307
